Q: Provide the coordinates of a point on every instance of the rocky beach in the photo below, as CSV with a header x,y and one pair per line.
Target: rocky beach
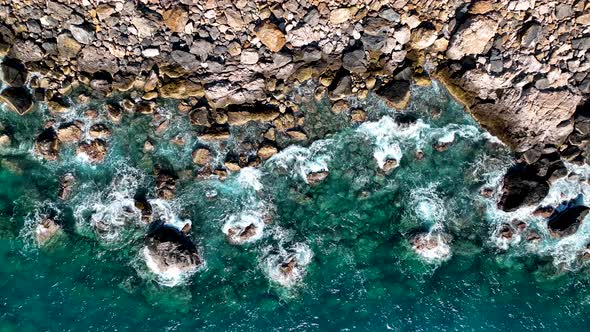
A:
x,y
366,165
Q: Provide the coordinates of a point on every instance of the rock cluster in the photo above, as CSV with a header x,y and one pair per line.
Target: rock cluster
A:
x,y
521,66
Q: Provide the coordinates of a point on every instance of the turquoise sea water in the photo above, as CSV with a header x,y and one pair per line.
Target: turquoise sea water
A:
x,y
355,228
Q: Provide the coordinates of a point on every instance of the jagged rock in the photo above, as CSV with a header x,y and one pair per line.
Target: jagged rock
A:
x,y
47,144
271,36
99,130
472,37
395,93
524,119
165,184
531,36
26,51
567,222
14,72
94,151
18,99
340,87
199,117
422,38
522,186
358,116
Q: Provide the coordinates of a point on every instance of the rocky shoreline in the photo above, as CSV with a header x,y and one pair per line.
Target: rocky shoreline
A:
x,y
521,67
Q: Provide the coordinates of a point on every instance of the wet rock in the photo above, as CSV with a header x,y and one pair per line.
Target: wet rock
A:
x,y
66,184
487,192
99,130
543,211
46,229
168,251
94,151
199,117
472,37
432,246
567,222
441,146
358,116
69,133
389,165
47,144
18,99
202,156
314,178
396,93
521,187
267,151
14,72
165,184
271,36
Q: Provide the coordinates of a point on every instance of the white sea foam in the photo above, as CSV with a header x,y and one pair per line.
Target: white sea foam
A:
x,y
249,177
432,247
244,227
163,210
301,161
387,136
112,211
287,267
565,251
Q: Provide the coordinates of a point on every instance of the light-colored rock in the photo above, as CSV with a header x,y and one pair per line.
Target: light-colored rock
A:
x,y
249,57
341,15
472,37
271,36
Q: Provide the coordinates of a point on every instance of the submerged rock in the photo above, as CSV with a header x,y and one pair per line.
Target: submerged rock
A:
x,y
244,228
170,254
522,186
432,247
46,230
66,183
288,266
165,184
314,178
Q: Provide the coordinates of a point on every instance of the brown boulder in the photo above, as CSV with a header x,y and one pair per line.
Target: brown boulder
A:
x,y
271,36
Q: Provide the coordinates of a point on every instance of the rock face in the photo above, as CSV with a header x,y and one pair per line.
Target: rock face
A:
x,y
170,253
472,37
523,119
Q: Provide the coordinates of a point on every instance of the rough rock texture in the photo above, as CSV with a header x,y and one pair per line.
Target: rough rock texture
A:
x,y
521,67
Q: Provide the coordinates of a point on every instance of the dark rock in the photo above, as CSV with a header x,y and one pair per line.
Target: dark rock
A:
x,y
531,35
169,248
355,61
395,93
95,150
17,99
566,222
340,87
522,186
66,183
165,184
14,72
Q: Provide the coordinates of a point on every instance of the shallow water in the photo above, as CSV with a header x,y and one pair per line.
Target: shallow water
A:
x,y
351,232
